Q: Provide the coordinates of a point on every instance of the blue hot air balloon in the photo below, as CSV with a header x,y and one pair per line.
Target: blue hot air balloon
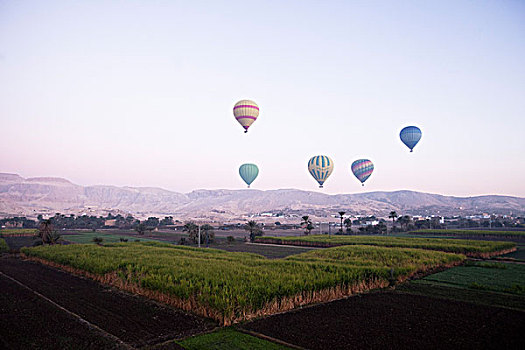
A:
x,y
320,167
248,173
410,136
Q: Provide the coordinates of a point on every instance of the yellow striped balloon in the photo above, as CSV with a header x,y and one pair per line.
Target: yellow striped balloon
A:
x,y
246,112
320,167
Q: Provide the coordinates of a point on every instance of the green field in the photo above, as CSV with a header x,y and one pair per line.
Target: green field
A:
x,y
18,232
472,233
3,246
229,339
496,284
87,237
230,287
474,248
497,277
518,255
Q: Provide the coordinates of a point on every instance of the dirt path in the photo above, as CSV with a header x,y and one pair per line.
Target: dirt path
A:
x,y
388,320
136,321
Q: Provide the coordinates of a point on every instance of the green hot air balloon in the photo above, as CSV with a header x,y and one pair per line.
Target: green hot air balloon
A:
x,y
248,173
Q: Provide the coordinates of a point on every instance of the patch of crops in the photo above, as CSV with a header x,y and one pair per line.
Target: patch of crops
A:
x,y
472,233
3,246
231,286
14,232
473,248
506,278
229,339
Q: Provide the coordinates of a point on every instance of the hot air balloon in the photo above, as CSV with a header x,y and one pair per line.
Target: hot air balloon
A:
x,y
246,112
320,167
248,173
362,169
410,136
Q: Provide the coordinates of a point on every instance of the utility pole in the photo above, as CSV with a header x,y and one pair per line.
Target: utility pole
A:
x,y
199,236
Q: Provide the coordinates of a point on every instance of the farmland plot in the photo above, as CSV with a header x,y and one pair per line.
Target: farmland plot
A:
x,y
472,248
519,235
231,287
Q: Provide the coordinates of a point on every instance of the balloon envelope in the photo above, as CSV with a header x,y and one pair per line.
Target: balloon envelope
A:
x,y
410,136
246,112
248,173
320,167
362,169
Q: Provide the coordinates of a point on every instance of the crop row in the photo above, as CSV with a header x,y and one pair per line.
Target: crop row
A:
x,y
473,233
14,232
236,286
473,248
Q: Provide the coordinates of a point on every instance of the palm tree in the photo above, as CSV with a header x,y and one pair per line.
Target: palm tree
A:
x,y
253,228
209,235
404,220
308,227
47,233
348,224
392,216
140,228
192,230
341,213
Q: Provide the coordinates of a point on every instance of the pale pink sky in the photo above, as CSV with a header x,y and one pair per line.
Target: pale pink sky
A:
x,y
141,93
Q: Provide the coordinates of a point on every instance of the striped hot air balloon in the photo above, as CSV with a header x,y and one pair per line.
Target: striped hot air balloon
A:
x,y
362,169
410,136
320,167
248,173
246,112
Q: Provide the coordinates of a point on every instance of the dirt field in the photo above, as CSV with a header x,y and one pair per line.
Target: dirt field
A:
x,y
389,320
134,320
29,322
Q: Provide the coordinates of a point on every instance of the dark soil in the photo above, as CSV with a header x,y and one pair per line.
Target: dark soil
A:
x,y
389,320
29,322
135,320
15,243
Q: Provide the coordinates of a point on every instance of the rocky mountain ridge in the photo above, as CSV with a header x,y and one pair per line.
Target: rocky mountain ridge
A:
x,y
20,196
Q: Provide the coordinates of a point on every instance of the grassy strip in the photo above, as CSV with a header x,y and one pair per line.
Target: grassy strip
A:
x,y
472,248
18,232
4,248
476,296
87,237
231,287
228,338
496,277
472,233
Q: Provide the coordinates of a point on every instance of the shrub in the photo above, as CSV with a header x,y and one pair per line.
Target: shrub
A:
x,y
98,240
3,246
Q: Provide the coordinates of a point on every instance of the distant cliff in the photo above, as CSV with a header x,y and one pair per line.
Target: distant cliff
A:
x,y
19,196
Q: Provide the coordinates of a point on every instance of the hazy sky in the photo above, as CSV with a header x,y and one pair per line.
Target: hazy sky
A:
x,y
140,93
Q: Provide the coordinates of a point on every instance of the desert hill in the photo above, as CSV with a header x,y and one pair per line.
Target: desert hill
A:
x,y
20,196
